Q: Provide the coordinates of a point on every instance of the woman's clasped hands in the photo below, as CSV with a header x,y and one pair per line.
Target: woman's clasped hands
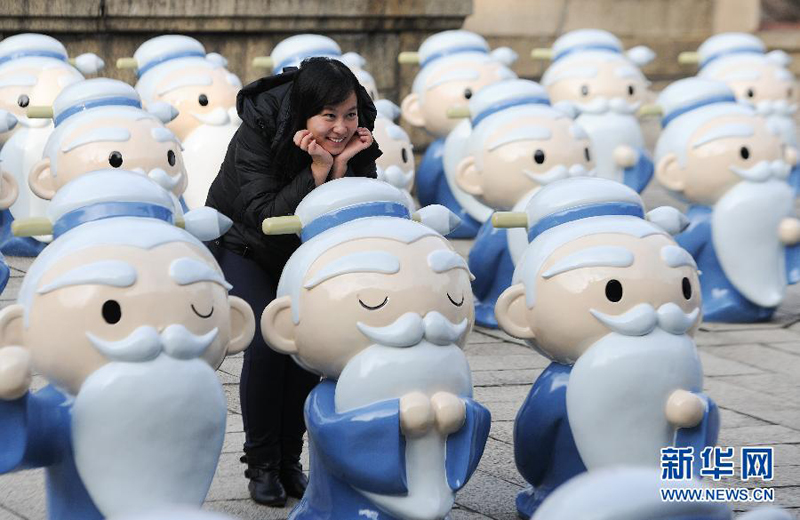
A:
x,y
323,164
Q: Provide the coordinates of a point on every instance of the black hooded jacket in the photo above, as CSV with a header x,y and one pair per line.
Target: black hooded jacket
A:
x,y
251,187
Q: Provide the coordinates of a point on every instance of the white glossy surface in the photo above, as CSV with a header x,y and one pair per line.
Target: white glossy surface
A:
x,y
744,231
345,192
203,153
380,373
145,418
18,156
609,426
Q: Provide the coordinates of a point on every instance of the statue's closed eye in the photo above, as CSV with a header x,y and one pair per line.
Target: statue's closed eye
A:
x,y
459,304
203,315
375,307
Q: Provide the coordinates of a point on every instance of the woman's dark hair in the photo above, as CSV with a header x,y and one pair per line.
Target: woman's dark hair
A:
x,y
319,83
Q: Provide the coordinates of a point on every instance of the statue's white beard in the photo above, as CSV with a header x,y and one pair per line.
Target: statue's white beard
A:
x,y
607,132
148,435
744,230
380,373
617,395
603,105
204,150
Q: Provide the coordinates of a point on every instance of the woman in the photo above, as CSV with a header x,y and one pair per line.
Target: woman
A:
x,y
300,129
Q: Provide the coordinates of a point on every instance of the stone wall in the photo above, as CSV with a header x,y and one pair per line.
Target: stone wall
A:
x,y
666,26
240,29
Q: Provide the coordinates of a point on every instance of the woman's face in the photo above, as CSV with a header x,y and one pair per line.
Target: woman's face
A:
x,y
335,125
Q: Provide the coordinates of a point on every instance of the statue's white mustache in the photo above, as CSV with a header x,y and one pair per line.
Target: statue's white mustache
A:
x,y
601,105
145,343
643,319
558,172
217,117
395,176
165,180
778,107
410,328
763,171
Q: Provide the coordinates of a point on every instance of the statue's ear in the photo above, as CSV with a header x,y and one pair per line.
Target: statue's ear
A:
x,y
670,174
8,191
243,325
11,324
412,110
511,312
277,325
468,177
41,181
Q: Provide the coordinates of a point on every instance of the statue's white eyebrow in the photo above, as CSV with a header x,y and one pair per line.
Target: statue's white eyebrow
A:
x,y
724,131
363,262
194,80
588,71
600,256
525,133
675,256
186,271
99,135
455,75
18,80
741,75
626,72
441,261
162,135
114,273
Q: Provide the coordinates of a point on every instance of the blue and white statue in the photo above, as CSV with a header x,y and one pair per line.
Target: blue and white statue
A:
x,y
30,75
454,66
591,71
396,165
393,429
176,69
757,77
127,316
731,166
514,144
34,69
608,296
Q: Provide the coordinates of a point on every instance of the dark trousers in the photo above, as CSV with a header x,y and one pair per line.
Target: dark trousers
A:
x,y
273,388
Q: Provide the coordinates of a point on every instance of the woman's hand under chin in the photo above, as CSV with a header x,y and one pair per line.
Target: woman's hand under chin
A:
x,y
321,159
361,140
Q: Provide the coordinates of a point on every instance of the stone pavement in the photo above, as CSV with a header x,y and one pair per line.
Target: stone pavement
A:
x,y
751,371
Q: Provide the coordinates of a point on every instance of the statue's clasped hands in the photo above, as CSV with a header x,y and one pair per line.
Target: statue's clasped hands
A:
x,y
419,413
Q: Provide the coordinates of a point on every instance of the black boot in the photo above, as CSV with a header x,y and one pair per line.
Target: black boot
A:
x,y
293,479
265,483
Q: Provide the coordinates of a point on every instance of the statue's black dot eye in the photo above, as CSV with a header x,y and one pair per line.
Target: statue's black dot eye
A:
x,y
171,158
115,159
631,90
584,90
614,291
467,93
112,312
23,101
751,93
538,156
404,154
686,285
744,152
203,100
587,154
